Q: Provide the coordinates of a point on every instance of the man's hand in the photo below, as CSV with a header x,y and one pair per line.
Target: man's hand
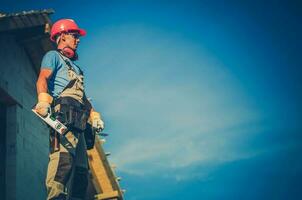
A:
x,y
96,121
43,105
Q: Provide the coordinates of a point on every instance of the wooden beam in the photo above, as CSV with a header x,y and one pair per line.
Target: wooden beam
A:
x,y
111,195
103,177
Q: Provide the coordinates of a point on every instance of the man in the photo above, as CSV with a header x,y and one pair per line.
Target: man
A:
x,y
60,88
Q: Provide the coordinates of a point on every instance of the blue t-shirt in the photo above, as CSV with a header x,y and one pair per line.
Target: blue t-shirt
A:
x,y
59,78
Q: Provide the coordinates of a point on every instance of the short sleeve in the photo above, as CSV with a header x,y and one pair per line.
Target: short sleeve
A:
x,y
50,60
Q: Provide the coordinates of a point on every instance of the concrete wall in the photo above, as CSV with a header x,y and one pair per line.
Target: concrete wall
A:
x,y
27,136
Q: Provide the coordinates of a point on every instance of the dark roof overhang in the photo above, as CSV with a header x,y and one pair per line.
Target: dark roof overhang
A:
x,y
31,30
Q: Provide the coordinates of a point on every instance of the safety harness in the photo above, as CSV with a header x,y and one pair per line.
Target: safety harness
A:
x,y
71,108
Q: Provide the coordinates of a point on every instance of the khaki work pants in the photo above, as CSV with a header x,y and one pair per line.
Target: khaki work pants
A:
x,y
67,175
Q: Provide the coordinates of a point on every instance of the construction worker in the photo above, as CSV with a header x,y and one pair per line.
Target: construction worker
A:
x,y
60,88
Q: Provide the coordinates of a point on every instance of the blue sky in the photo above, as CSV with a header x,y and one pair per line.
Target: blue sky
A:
x,y
202,98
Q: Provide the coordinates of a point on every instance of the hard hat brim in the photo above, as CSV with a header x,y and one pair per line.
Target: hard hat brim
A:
x,y
82,32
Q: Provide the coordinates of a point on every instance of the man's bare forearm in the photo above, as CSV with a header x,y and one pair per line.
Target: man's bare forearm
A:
x,y
42,80
42,85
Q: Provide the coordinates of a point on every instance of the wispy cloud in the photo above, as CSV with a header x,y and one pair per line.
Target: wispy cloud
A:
x,y
175,128
170,113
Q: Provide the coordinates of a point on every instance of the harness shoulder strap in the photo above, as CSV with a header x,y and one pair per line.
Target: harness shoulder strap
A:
x,y
70,67
68,64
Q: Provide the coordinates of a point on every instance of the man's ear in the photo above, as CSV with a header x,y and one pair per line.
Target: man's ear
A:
x,y
63,37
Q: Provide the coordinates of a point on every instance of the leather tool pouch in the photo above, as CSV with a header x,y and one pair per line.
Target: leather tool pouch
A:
x,y
54,141
89,135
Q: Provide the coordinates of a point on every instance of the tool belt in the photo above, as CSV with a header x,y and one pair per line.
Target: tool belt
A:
x,y
74,116
72,113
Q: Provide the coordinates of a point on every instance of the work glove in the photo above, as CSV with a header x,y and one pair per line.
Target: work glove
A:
x,y
96,121
43,105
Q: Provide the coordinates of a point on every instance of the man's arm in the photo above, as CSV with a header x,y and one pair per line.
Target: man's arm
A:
x,y
42,80
44,99
95,118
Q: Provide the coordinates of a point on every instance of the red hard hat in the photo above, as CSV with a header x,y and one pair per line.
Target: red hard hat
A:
x,y
64,25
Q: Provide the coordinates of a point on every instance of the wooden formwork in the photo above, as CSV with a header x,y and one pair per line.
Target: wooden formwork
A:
x,y
103,177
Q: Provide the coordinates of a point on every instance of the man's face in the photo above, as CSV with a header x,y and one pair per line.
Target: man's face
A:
x,y
71,39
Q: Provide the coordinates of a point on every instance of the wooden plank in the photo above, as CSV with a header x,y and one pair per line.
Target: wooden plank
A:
x,y
104,179
107,166
110,195
99,172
